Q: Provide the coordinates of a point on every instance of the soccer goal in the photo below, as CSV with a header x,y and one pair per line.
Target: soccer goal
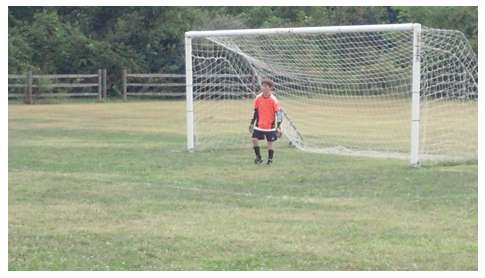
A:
x,y
399,90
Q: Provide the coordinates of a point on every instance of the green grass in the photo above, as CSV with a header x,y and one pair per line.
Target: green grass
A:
x,y
110,186
448,129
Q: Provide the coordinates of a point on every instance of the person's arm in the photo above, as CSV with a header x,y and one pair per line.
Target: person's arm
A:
x,y
253,120
278,114
255,116
279,119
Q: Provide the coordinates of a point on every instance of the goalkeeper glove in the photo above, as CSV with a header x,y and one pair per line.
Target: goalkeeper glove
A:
x,y
251,128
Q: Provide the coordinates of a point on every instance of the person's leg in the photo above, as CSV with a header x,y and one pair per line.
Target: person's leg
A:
x,y
270,152
271,138
257,151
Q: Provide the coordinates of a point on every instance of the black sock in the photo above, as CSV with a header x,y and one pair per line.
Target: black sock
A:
x,y
270,154
257,151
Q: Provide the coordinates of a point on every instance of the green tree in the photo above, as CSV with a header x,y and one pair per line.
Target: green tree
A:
x,y
461,18
20,53
151,39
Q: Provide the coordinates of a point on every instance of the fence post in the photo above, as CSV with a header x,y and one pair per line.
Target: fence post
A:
x,y
254,84
124,85
99,85
29,87
104,83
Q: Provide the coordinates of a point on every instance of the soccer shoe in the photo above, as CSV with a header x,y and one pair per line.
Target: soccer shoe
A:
x,y
258,160
270,161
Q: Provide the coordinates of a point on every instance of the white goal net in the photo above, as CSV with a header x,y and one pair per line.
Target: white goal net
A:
x,y
400,91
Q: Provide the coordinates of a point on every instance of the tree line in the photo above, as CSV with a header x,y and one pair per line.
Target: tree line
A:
x,y
63,40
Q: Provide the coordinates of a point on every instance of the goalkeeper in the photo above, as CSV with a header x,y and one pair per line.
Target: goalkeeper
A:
x,y
266,121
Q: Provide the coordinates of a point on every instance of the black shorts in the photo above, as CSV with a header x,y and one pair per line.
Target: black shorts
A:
x,y
269,135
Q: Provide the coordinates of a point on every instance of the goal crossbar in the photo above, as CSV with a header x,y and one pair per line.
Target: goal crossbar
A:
x,y
305,30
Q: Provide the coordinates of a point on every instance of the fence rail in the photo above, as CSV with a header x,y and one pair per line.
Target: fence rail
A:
x,y
100,84
151,92
173,85
143,84
177,89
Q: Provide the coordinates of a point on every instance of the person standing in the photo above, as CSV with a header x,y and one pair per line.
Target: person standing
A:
x,y
266,121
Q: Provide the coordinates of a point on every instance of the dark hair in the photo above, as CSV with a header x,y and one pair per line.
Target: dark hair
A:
x,y
268,82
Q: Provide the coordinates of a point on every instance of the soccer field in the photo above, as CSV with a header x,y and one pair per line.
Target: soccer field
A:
x,y
110,186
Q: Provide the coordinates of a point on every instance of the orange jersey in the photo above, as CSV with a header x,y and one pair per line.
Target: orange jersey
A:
x,y
267,108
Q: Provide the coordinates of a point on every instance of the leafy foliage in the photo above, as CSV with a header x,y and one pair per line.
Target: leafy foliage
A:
x,y
149,39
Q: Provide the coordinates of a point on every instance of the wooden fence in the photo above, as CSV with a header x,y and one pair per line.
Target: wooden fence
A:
x,y
175,83
80,81
148,85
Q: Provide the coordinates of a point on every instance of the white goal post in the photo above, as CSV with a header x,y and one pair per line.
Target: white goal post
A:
x,y
394,90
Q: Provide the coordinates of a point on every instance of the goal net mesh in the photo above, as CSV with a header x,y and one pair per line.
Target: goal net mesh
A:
x,y
341,93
